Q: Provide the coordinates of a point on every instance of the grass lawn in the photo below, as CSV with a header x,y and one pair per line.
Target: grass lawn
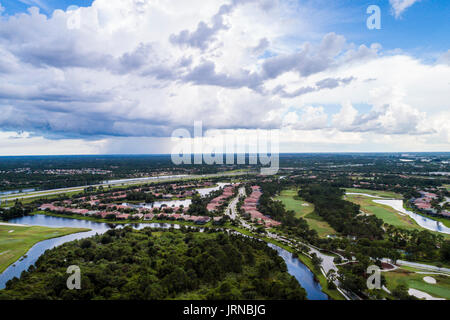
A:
x,y
15,241
293,202
386,213
384,194
415,281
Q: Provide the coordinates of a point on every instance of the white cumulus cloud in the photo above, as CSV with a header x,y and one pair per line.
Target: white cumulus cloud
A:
x,y
399,6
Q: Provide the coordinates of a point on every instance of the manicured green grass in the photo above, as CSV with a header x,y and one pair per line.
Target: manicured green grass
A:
x,y
319,224
384,194
15,241
386,213
415,281
293,202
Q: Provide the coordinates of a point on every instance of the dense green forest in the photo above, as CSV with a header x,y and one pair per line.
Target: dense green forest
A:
x,y
160,264
340,214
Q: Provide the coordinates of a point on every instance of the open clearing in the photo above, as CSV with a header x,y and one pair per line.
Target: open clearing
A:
x,y
14,245
305,210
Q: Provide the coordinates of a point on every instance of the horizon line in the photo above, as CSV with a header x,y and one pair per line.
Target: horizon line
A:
x,y
224,154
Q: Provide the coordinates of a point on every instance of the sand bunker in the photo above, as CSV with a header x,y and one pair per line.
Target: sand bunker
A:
x,y
422,295
429,280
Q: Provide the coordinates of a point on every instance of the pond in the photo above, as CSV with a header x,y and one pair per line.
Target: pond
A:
x,y
185,202
11,192
422,221
205,191
169,203
303,275
301,272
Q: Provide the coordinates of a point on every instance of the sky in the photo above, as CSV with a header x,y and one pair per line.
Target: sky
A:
x,y
124,76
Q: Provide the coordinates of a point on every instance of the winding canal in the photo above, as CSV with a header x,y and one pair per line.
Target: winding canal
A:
x,y
397,205
422,221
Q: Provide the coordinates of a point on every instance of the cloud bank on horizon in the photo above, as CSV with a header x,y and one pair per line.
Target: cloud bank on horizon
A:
x,y
119,76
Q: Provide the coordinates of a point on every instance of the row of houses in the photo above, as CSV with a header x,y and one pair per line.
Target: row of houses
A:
x,y
144,214
107,201
179,192
215,203
250,207
424,204
181,217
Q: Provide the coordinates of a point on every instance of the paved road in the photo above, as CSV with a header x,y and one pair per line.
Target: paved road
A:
x,y
232,207
42,194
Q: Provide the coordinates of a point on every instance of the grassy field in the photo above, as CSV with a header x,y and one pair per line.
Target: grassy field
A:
x,y
15,241
386,213
292,202
415,281
384,194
